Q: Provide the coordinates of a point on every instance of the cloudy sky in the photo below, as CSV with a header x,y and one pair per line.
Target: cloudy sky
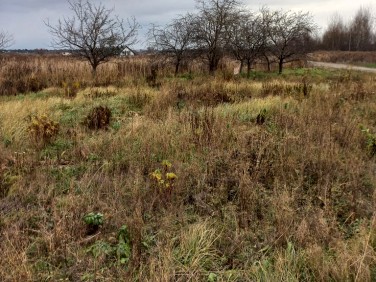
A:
x,y
25,18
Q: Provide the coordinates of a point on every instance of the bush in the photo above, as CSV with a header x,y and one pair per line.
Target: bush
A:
x,y
71,89
121,251
98,118
42,129
93,222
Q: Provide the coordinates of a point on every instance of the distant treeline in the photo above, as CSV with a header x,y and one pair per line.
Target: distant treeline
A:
x,y
358,34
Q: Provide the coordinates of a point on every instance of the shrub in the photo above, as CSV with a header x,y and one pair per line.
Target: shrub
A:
x,y
98,118
93,222
71,89
42,129
121,251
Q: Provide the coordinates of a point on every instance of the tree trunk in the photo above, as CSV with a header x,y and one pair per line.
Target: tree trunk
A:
x,y
268,62
212,67
350,41
94,72
241,67
177,65
213,62
249,65
280,66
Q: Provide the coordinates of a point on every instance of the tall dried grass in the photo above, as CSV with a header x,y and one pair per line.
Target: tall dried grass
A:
x,y
272,184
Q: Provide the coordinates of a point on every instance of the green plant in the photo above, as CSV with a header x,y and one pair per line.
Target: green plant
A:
x,y
100,248
123,248
95,219
98,118
212,277
42,129
370,140
93,222
121,251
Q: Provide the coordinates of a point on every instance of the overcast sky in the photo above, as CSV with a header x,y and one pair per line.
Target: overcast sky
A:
x,y
24,18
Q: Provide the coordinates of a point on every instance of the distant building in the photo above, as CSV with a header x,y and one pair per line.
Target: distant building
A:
x,y
127,53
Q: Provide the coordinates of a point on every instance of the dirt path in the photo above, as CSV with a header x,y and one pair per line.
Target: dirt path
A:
x,y
340,66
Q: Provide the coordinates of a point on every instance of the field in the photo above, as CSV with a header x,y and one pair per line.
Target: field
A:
x,y
142,177
366,59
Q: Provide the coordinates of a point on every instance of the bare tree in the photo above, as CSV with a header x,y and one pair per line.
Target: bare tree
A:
x,y
246,40
336,35
93,33
173,40
265,16
288,34
6,40
360,30
210,25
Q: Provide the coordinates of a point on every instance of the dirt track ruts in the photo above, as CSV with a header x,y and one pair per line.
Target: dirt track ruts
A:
x,y
340,66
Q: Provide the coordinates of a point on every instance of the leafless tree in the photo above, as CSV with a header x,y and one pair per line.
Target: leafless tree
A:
x,y
6,40
360,29
93,32
210,25
246,40
356,35
288,34
173,40
336,35
265,16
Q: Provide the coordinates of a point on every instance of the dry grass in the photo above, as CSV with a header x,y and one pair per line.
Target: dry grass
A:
x,y
353,57
274,182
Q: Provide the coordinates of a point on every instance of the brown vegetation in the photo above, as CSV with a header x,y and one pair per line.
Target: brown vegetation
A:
x,y
267,178
357,58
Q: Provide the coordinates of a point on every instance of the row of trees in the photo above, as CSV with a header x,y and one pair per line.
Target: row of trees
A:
x,y
216,29
356,35
224,27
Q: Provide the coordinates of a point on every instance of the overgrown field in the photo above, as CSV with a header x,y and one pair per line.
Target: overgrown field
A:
x,y
366,59
189,178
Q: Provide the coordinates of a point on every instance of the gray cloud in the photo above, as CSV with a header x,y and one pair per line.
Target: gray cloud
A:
x,y
24,18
